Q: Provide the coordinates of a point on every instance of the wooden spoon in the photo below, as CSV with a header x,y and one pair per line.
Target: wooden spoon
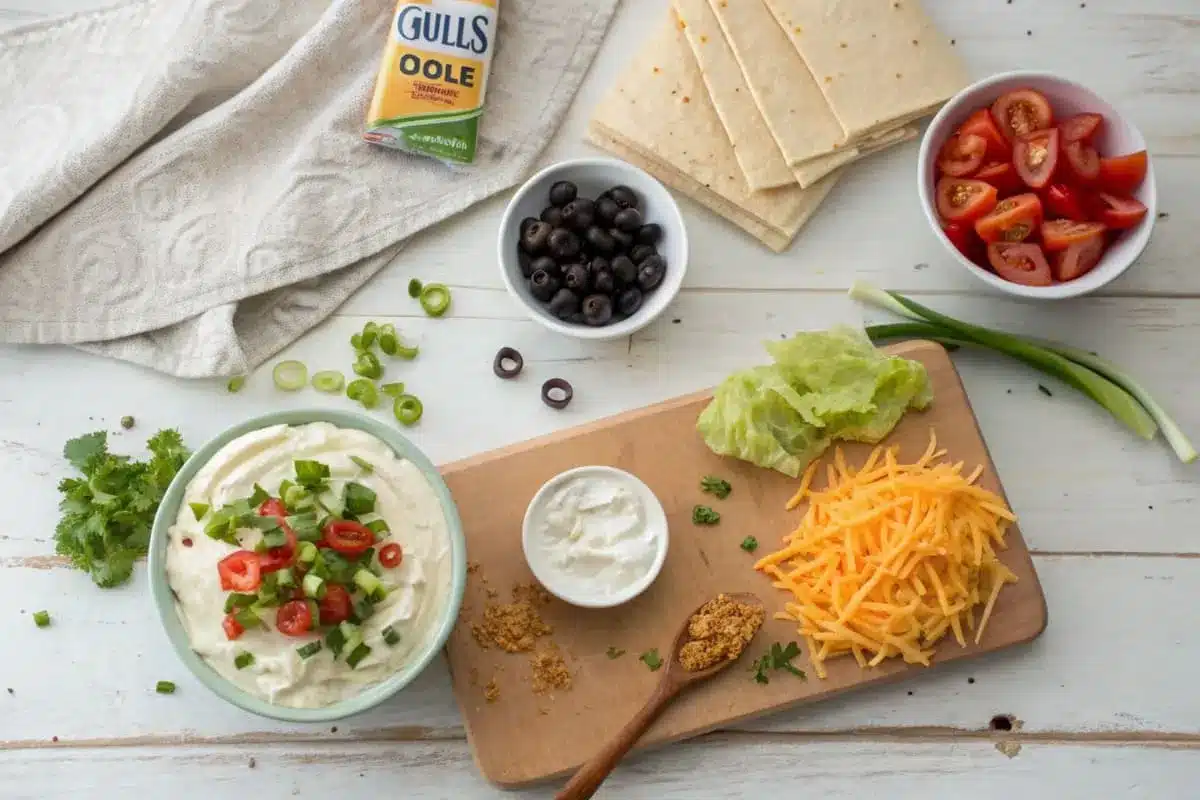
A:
x,y
675,678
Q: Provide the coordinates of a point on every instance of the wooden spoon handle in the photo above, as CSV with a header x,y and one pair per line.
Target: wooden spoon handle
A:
x,y
591,774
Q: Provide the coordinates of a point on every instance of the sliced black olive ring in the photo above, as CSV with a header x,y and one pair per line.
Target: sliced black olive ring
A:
x,y
557,393
508,363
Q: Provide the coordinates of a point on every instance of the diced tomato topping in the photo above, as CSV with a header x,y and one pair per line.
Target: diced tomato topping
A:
x,y
348,538
1060,234
1014,219
1123,174
1021,112
240,571
962,154
1035,156
1003,176
293,618
1081,127
1117,212
277,557
980,123
1081,162
1079,258
1064,202
1020,263
335,606
390,555
272,507
233,628
964,200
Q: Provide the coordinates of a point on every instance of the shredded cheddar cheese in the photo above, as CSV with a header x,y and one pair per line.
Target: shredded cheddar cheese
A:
x,y
890,558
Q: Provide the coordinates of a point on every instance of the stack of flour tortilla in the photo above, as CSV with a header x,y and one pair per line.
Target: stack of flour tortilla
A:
x,y
753,108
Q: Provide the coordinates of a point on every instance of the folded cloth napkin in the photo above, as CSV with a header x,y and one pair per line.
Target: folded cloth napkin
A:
x,y
203,250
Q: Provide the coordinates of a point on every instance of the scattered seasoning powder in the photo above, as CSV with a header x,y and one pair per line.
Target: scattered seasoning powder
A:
x,y
491,692
549,671
614,652
513,627
720,630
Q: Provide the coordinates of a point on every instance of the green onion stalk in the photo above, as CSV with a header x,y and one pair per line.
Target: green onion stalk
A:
x,y
1106,383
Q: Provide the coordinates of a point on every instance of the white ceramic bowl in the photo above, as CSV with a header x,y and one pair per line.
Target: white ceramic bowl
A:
x,y
594,176
559,584
1118,137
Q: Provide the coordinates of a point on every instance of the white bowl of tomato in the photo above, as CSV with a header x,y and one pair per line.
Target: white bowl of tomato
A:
x,y
1037,185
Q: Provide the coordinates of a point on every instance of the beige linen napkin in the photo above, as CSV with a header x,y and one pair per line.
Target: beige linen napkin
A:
x,y
205,252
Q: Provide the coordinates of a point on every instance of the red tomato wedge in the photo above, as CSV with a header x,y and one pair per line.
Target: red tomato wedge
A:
x,y
1014,219
348,538
1065,202
1117,212
1035,156
964,200
962,154
1002,175
335,606
1081,127
1078,259
233,628
980,123
294,618
240,571
390,555
1060,234
1081,162
1123,174
1020,263
1021,112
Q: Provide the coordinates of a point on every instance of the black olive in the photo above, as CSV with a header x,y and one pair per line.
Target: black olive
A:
x,y
598,263
507,363
580,213
623,196
629,220
547,264
577,318
624,271
624,240
606,210
562,193
557,393
603,280
597,309
535,237
649,233
543,285
552,216
651,272
600,241
629,301
564,303
563,244
525,262
639,252
576,278
525,223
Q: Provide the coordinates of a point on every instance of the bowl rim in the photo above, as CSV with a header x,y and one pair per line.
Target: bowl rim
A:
x,y
673,221
165,602
637,588
1059,291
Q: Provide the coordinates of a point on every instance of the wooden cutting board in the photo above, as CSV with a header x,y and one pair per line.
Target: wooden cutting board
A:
x,y
522,737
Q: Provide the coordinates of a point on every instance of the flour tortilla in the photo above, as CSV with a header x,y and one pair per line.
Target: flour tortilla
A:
x,y
877,62
815,169
783,88
658,116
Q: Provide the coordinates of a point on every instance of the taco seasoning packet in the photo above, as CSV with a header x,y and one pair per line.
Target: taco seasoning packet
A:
x,y
430,92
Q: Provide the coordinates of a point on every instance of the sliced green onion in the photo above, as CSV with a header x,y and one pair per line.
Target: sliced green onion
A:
x,y
305,527
408,409
391,344
247,618
363,608
261,496
414,288
198,510
358,498
335,640
370,584
392,389
164,687
435,299
295,495
235,384
357,654
290,376
369,332
328,380
236,600
363,464
378,527
41,618
309,650
356,341
390,637
306,553
275,538
364,558
314,611
286,577
243,660
367,365
310,474
363,392
314,586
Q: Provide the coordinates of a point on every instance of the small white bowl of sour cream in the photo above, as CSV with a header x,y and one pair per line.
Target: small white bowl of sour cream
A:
x,y
595,536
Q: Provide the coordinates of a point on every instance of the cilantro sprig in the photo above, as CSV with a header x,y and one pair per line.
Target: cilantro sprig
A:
x,y
719,487
776,658
651,659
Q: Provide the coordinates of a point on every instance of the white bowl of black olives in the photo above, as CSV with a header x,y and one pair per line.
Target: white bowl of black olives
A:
x,y
593,248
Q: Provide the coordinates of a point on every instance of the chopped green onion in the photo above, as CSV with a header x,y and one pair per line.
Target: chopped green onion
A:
x,y
356,341
41,618
352,636
198,510
314,611
357,655
367,365
332,503
295,495
286,577
358,498
275,538
235,384
364,558
363,608
435,299
335,640
378,527
243,660
391,344
310,474
363,392
408,409
414,288
370,584
127,422
309,650
290,376
314,587
236,600
390,637
247,618
305,527
392,389
306,553
164,687
369,332
260,495
328,380
362,463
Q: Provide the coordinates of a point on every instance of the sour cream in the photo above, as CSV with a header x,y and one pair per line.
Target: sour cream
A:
x,y
418,589
595,536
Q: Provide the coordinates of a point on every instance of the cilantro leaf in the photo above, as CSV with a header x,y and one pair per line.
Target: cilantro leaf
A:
x,y
703,515
777,657
311,474
749,544
82,450
651,659
713,485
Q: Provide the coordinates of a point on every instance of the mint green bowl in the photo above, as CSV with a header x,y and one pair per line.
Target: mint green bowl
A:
x,y
370,697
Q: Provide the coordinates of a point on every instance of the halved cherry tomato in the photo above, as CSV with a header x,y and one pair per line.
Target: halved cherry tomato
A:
x,y
1123,174
981,123
390,555
272,507
240,571
1035,155
962,154
293,618
1021,112
277,557
1079,258
233,628
1081,127
1012,220
964,200
335,606
1001,175
1117,212
348,538
1065,202
1060,234
1020,263
1082,163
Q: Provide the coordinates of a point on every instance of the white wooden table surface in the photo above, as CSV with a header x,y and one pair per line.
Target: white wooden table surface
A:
x,y
1106,699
